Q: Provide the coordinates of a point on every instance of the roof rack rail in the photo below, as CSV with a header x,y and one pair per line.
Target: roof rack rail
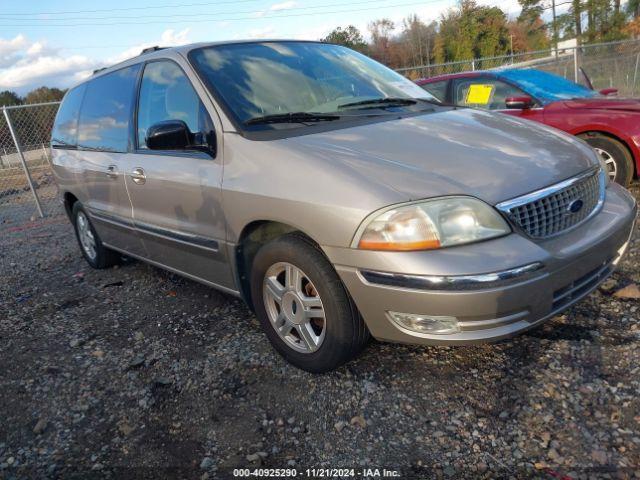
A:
x,y
155,48
98,70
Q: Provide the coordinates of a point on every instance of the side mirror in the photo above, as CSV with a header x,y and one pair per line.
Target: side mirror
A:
x,y
520,103
609,91
169,135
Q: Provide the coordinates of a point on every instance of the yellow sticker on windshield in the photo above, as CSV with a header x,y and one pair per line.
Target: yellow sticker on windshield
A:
x,y
479,94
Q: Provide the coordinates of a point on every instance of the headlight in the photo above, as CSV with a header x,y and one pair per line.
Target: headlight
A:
x,y
433,224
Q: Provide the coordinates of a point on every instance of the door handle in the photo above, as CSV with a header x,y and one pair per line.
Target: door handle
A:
x,y
138,176
112,171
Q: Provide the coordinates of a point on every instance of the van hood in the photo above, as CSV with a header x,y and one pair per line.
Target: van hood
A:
x,y
491,156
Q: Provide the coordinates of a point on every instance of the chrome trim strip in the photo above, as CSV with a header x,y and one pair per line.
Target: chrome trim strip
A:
x,y
145,228
456,282
474,325
506,206
545,192
111,219
181,237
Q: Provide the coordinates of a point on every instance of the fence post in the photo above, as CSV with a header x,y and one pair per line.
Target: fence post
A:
x,y
575,64
635,75
22,160
473,65
46,155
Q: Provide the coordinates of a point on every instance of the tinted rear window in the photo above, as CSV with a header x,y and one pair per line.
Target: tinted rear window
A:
x,y
106,111
65,128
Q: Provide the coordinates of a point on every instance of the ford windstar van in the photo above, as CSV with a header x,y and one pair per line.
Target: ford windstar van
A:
x,y
337,198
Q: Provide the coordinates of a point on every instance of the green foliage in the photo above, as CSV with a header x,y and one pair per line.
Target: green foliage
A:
x,y
44,94
473,31
349,37
39,95
9,98
537,34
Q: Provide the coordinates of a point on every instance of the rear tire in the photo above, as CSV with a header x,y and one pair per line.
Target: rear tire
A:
x,y
615,154
291,280
93,251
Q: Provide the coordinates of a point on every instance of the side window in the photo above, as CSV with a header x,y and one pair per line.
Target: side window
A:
x,y
437,89
65,127
485,93
106,111
167,94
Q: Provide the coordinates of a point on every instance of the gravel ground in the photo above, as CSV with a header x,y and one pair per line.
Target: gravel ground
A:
x,y
136,373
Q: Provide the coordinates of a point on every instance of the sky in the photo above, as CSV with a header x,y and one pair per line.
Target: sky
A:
x,y
57,43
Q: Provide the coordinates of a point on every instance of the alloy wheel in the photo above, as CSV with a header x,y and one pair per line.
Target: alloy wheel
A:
x,y
294,307
612,168
87,240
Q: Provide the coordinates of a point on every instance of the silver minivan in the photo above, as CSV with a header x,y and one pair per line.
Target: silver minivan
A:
x,y
337,198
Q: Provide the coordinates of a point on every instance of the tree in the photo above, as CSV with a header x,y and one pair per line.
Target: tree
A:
x,y
633,28
531,24
9,98
44,94
380,31
349,37
492,34
472,31
456,40
418,40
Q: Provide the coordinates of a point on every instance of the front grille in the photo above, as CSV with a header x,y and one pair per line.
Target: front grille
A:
x,y
557,208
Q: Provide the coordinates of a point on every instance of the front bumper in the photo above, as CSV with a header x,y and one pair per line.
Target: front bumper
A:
x,y
489,306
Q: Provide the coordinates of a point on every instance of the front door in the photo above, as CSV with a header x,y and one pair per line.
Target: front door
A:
x,y
176,195
488,93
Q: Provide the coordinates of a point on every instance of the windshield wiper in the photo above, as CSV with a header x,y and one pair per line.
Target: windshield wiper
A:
x,y
292,117
378,102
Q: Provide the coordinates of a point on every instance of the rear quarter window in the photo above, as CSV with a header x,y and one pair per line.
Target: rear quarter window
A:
x,y
105,116
65,127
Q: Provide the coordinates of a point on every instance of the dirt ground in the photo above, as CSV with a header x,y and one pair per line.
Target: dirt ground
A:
x,y
132,372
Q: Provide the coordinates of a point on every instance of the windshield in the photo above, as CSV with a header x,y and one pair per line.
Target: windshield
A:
x,y
547,87
273,78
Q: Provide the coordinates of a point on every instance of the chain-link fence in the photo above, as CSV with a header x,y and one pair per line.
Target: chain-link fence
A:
x,y
615,64
27,188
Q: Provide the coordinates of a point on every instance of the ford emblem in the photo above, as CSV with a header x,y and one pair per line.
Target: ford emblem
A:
x,y
575,206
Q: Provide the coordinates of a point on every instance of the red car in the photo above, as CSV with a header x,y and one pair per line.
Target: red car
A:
x,y
610,125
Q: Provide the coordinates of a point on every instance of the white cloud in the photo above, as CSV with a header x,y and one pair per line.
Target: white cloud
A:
x,y
43,70
10,48
169,38
26,64
282,6
276,7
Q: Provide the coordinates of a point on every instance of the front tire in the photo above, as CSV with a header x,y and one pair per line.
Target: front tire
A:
x,y
93,251
615,155
303,307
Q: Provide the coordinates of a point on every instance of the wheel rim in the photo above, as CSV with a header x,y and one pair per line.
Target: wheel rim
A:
x,y
612,167
87,240
294,307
